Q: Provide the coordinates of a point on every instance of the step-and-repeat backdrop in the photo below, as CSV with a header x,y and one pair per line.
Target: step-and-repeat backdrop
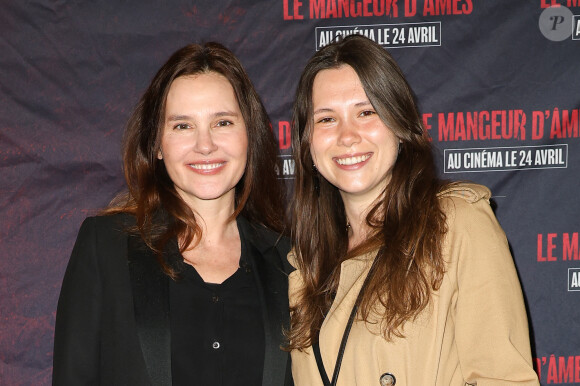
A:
x,y
498,84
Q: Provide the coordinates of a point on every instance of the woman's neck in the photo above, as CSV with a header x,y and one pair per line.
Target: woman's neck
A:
x,y
358,228
216,255
214,219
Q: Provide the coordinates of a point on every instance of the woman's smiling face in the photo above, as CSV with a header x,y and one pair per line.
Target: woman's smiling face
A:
x,y
204,141
351,146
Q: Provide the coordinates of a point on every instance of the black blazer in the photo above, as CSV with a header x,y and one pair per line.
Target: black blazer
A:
x,y
112,322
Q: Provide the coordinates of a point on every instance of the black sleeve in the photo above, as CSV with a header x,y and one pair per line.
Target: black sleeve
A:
x,y
76,338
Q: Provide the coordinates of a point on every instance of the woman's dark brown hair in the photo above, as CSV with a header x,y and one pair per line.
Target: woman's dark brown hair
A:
x,y
407,222
161,215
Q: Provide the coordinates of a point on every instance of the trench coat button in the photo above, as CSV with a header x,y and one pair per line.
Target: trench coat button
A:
x,y
215,345
388,379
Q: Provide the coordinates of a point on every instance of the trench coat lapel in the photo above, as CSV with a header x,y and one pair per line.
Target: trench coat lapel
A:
x,y
151,303
266,260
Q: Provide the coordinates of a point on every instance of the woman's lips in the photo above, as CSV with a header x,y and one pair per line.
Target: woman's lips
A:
x,y
352,161
211,167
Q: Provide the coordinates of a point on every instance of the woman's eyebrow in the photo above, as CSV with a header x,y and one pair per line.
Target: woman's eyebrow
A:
x,y
185,117
328,109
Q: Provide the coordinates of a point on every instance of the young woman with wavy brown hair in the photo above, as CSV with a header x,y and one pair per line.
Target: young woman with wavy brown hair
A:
x,y
401,277
182,280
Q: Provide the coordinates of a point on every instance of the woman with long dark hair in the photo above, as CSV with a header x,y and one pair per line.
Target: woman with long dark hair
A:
x,y
401,277
182,280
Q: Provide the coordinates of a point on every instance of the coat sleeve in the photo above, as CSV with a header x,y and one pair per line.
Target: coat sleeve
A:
x,y
76,338
491,324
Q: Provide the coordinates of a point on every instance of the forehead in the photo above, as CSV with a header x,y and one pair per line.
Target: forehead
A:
x,y
205,91
337,85
198,82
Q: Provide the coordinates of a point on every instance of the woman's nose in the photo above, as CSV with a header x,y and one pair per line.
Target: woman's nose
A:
x,y
204,143
348,134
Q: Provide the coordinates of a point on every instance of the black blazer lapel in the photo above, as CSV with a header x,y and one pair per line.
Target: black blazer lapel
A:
x,y
151,302
268,254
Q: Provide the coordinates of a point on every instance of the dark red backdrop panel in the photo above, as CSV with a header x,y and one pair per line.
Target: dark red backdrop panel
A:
x,y
498,85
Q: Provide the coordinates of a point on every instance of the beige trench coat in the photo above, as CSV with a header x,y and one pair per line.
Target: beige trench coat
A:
x,y
475,330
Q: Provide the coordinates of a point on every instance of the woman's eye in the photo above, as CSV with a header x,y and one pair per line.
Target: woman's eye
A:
x,y
366,113
181,126
324,120
224,123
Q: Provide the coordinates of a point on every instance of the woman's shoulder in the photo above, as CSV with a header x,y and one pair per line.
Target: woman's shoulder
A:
x,y
102,241
469,213
465,204
107,226
111,221
463,196
467,191
261,234
265,239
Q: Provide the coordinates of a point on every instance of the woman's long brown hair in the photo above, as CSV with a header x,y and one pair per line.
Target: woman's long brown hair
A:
x,y
407,221
161,215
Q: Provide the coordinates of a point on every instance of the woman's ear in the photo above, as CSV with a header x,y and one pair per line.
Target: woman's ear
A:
x,y
159,154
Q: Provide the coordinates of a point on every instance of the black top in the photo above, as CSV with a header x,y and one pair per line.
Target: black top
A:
x,y
113,324
217,333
